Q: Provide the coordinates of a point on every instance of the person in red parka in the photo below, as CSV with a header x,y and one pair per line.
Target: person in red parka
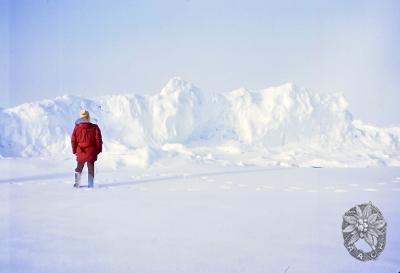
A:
x,y
86,144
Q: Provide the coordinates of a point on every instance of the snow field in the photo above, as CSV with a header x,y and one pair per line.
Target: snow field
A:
x,y
201,218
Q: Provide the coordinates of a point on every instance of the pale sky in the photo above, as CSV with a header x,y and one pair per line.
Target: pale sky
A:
x,y
93,47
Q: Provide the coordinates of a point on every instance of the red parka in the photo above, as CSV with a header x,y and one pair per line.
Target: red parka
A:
x,y
86,142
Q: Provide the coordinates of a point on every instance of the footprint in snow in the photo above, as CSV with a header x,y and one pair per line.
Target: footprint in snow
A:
x,y
135,176
369,189
136,188
293,188
264,188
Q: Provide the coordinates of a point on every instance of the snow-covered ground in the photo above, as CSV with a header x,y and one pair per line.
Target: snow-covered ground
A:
x,y
181,216
195,182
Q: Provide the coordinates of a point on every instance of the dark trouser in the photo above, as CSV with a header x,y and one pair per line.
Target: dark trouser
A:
x,y
90,166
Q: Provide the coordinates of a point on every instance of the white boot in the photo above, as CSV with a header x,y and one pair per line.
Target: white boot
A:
x,y
77,179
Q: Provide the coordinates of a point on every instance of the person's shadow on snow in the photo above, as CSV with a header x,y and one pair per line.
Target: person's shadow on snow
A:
x,y
36,177
182,176
39,177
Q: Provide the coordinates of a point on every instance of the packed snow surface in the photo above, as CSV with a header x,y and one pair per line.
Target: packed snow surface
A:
x,y
277,126
181,216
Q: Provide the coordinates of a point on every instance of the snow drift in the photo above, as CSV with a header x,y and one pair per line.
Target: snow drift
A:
x,y
286,125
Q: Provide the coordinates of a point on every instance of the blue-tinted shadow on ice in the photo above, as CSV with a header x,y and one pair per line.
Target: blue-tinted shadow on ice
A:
x,y
39,177
32,178
182,176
